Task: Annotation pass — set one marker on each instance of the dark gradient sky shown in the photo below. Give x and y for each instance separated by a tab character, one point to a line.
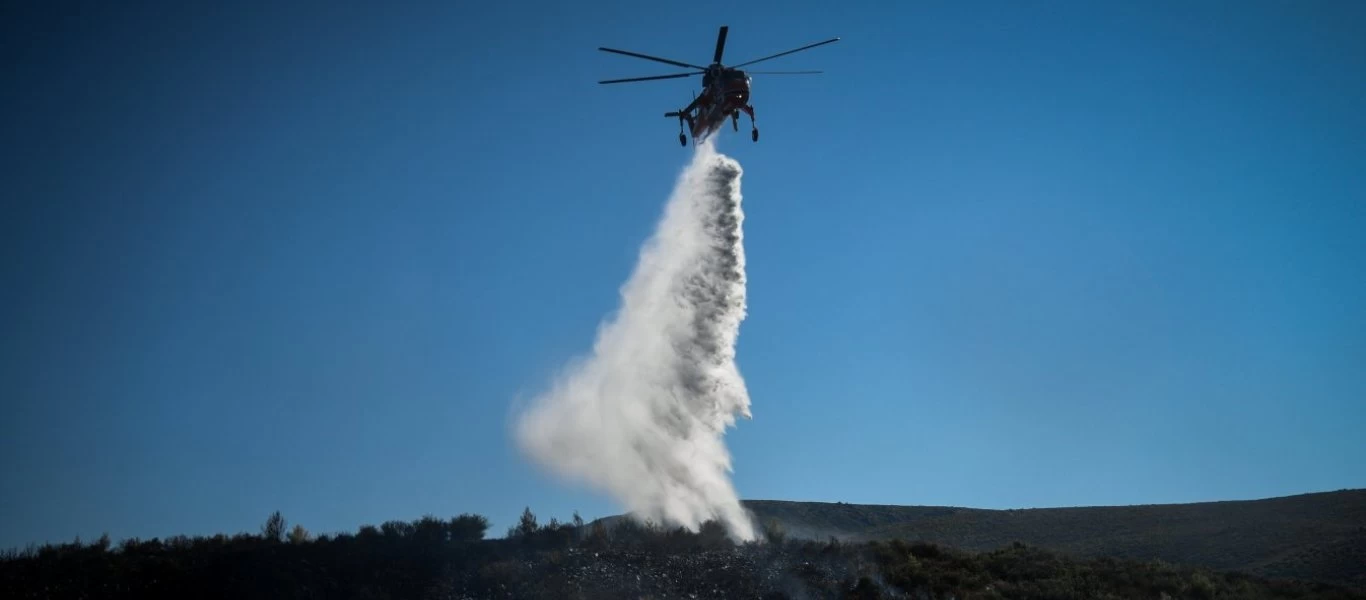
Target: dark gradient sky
308	258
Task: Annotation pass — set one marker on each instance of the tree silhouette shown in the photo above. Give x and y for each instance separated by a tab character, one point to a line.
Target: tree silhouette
298	535
527	526
274	527
468	527
448	558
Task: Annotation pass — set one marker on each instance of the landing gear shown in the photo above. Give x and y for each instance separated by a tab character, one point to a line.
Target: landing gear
735	119
682	139
753	133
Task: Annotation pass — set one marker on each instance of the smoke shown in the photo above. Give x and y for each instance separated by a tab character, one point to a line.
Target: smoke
642	418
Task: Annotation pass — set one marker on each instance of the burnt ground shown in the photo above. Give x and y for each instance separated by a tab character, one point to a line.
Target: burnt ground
450	560
740	572
809	570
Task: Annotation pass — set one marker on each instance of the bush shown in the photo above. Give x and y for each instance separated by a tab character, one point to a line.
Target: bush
448	558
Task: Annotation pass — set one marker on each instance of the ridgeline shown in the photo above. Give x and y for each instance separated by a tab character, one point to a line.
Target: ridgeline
1204	551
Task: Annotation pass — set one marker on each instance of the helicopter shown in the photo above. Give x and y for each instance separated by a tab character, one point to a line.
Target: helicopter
725	90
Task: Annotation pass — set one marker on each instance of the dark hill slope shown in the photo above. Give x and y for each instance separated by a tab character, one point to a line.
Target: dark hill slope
435	559
1319	536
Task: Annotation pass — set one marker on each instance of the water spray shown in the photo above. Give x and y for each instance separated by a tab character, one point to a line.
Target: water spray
643	416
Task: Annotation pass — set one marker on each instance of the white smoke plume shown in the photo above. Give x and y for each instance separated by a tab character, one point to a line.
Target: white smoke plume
642	418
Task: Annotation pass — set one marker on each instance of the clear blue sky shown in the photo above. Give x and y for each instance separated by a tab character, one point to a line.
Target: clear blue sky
1001	254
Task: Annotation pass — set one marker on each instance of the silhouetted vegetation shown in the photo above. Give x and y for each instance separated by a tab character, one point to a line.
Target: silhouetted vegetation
1319	537
450	558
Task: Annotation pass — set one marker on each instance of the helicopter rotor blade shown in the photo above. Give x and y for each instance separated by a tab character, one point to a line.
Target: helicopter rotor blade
720	43
783	72
651	78
654	58
807	47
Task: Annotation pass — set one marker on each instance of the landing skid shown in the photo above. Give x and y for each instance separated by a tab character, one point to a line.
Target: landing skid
734	123
754	124
682	116
753	135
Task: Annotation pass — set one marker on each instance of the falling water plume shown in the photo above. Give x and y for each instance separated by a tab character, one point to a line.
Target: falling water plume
643	416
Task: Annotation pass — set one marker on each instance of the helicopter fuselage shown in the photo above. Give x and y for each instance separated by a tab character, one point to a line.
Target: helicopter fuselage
725	94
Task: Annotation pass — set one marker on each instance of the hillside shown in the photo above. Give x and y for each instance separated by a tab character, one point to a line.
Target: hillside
451	559
1319	537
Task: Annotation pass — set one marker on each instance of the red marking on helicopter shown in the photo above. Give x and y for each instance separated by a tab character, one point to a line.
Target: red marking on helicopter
725	90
